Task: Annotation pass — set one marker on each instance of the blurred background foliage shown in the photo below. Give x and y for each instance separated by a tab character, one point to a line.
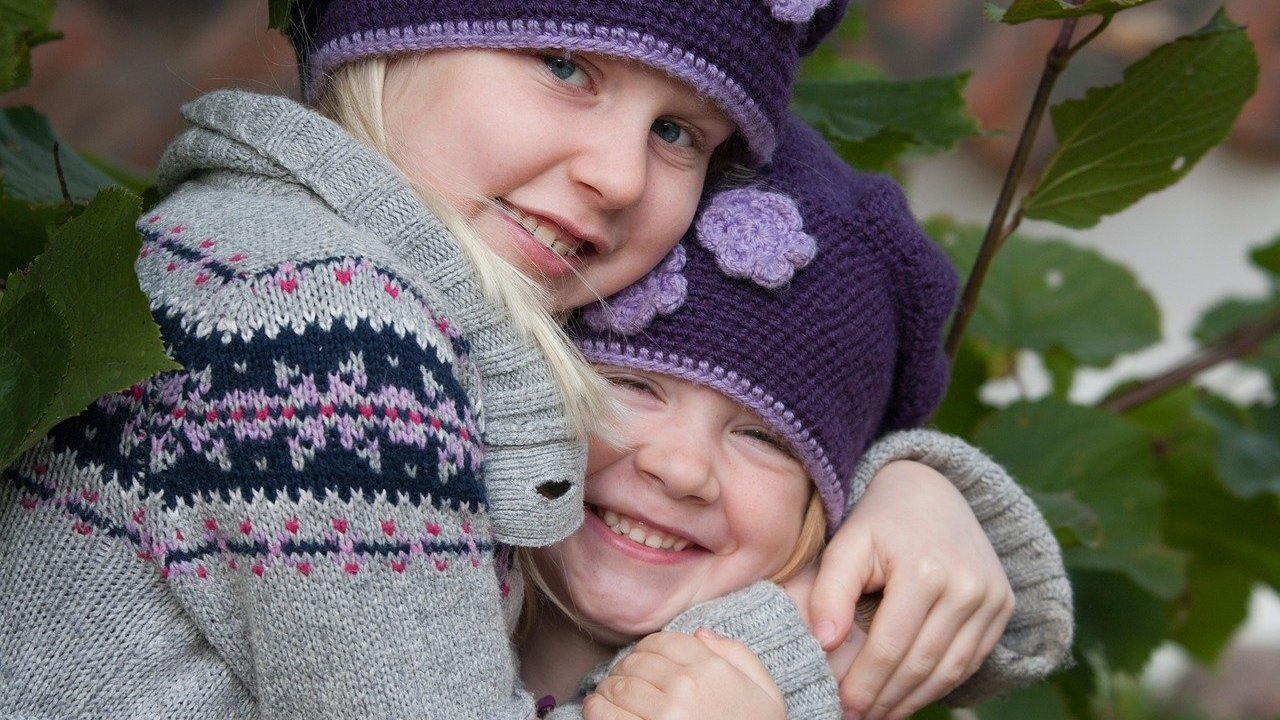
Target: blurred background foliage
1165	495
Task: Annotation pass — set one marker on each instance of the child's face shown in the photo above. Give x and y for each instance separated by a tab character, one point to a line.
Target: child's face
703	478
583	172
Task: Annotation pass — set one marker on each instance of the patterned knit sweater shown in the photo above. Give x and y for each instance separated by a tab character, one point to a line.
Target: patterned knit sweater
302	522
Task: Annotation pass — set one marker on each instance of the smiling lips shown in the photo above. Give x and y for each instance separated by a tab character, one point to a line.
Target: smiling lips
547	235
638	533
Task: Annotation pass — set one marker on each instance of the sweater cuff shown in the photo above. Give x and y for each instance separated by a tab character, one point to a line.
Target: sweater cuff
1038	638
764	618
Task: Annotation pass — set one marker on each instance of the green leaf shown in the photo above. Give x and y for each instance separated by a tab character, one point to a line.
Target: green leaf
27	229
1214	607
24	24
875	122
87	275
1213	527
1248	457
34	350
1045	295
1023	10
1041	701
1074	522
932	711
1062	370
1229	314
1267	257
278	13
1124	141
1118	618
27	164
1103	461
962	409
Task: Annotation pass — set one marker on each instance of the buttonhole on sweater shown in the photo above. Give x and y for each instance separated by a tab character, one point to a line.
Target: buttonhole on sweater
554	489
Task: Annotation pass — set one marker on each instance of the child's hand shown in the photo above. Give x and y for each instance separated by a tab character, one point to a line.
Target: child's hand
672	675
946	597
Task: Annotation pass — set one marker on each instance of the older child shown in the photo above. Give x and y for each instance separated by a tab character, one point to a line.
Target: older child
303	521
800	320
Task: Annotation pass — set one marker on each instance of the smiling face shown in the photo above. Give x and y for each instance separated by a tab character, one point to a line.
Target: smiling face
583	172
704	499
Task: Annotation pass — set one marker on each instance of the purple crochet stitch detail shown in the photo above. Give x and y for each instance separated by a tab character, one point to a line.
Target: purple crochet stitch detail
796	11
631	310
756	234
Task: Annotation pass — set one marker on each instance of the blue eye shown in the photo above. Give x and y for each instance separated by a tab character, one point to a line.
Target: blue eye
671	132
565	69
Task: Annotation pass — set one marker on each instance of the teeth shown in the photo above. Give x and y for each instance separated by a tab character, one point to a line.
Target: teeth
544	235
649	538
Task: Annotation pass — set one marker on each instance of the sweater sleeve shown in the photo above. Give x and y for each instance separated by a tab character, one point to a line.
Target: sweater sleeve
764	618
307	493
1038	638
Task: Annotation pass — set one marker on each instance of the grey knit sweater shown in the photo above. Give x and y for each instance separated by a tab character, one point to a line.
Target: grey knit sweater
302	522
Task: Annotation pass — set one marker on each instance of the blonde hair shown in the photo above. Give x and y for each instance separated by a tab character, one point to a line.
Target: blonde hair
537	591
353	98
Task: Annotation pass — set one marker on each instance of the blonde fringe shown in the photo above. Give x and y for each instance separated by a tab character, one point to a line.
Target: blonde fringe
353	98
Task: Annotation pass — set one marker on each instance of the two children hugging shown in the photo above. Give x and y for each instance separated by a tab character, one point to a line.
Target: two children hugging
364	292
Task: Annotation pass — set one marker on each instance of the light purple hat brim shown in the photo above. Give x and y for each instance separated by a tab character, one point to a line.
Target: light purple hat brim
748	395
705	77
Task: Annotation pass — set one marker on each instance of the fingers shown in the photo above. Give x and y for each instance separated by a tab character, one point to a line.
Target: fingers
847	569
958	634
898	621
740	657
598	707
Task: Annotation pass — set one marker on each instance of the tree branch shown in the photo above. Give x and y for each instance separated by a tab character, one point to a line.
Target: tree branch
1239	342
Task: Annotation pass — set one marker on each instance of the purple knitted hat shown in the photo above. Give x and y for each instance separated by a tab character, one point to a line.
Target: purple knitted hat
812	297
740	54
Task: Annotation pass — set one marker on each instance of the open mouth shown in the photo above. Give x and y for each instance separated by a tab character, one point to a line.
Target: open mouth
544	231
639	533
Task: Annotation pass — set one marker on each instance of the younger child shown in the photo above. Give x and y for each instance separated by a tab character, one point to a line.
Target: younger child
797	322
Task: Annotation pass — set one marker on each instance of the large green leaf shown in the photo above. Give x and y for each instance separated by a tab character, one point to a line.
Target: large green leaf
962	409
27	166
873	123
1118	618
87	275
1023	10
1248	457
23	25
1215	606
1124	141
1045	294
1103	461
34	350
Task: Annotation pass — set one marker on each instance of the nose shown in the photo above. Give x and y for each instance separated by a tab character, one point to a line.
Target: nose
612	165
682	461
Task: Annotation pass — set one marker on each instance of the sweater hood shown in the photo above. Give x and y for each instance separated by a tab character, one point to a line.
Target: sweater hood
528	440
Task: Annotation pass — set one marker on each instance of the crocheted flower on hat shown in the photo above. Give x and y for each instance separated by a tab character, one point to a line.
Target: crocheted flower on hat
631	310
756	234
795	11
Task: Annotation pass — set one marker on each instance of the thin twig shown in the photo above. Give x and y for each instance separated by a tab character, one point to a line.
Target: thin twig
1239	342
997	232
62	177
